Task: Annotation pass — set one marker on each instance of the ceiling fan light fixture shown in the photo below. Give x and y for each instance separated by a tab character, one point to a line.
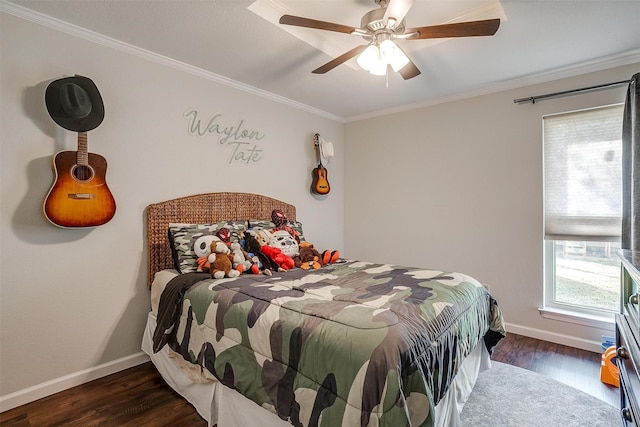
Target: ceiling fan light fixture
393	55
379	68
369	57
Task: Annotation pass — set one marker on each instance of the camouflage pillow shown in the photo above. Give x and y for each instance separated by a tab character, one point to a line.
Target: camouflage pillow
183	236
268	225
260	223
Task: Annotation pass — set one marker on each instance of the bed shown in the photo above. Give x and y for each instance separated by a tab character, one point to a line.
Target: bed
350	344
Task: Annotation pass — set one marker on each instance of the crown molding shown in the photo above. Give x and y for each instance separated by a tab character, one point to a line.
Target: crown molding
101	39
591	66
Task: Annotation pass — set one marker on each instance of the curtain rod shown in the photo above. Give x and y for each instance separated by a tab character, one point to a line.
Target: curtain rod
533	99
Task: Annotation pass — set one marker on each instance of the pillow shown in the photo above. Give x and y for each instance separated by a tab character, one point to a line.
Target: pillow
260	223
297	225
183	236
268	225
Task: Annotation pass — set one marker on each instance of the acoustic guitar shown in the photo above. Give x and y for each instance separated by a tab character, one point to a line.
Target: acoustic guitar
79	196
320	184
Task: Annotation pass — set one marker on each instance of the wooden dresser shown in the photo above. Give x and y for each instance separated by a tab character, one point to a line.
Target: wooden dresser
628	338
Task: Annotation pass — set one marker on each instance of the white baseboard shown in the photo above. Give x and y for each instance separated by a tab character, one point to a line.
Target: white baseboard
554	337
56	385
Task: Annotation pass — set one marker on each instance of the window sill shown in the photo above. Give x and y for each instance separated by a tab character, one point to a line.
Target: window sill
593	321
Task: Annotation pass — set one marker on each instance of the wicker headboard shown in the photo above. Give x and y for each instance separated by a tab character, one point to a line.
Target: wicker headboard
201	209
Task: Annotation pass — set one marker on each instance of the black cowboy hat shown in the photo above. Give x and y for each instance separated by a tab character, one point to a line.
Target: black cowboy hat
75	103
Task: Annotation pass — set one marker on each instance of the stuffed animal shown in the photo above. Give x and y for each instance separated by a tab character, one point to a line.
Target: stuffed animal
261	235
285	242
241	259
251	243
308	257
202	249
254	248
281	249
281	222
283	261
221	261
224	234
329	257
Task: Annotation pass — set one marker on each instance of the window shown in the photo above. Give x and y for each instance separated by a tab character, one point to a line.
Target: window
583	209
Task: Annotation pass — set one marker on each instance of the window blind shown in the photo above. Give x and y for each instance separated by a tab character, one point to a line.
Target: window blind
583	174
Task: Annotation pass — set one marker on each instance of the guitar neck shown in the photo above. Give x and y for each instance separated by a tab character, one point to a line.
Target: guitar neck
316	143
82	156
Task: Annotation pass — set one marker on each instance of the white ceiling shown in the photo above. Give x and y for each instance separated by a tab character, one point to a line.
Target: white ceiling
537	40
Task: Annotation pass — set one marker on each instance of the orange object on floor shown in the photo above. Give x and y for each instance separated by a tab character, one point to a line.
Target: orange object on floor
609	373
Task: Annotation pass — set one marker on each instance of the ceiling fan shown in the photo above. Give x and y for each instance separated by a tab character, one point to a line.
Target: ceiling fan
381	27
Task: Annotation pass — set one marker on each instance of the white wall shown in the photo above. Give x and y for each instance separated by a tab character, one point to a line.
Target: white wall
458	186
75	299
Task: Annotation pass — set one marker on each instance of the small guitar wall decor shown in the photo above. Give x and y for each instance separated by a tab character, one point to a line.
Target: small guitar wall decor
320	184
79	196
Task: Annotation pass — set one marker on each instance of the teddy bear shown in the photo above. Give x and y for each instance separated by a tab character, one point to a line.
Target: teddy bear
308	257
221	261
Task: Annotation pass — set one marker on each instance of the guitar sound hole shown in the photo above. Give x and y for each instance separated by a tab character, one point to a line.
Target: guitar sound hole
82	173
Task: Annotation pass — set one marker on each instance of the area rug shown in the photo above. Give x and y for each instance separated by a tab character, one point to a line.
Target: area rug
506	395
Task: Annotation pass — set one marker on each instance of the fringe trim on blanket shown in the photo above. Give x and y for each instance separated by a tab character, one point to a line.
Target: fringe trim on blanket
453	336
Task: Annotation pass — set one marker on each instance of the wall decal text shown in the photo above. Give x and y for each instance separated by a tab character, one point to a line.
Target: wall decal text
244	144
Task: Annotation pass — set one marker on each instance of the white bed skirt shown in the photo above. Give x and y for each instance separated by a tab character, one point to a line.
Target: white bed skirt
226	407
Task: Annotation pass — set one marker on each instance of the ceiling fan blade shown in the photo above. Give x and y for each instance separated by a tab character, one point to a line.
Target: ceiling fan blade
409	71
320	25
486	27
339	60
397	9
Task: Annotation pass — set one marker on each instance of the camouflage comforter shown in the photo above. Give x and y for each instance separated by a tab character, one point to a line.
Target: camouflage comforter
351	344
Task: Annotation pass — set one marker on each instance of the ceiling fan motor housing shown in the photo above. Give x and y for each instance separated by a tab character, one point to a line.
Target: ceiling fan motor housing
373	22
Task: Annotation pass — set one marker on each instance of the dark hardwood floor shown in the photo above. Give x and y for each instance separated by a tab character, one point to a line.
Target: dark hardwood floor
139	397
577	368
